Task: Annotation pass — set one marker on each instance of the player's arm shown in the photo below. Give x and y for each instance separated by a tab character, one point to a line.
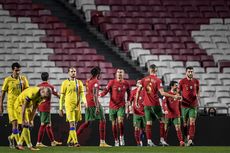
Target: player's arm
82	93
139	88
26	82
107	89
198	92
24	106
163	93
62	99
2	97
95	97
32	116
55	93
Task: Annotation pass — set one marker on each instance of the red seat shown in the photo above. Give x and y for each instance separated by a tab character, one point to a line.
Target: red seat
101	2
76	51
59	25
111	70
180	58
193	58
77	64
192	46
62	64
89	51
164	45
68	45
97	58
55	57
178	45
172	51
180	14
206	58
206	64
83	70
195	14
53	45
176	27
115	20
91	64
149	33
186	52
45	26
74	38
224	64
160	27
66	32
34	14
131	20
105	64
47	39
82	44
117	8
128	26
119	40
131	8
170	39
158	20
59	51
83	58
133	32
145	8
150	45
199	52
157	39
37	7
53	33
186	39
210	15
165	33
10	6
181	33
114	33
69	58
22	7
59	39
144	27
107	76
158	51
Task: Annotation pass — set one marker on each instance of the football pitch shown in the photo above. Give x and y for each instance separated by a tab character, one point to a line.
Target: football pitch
61	149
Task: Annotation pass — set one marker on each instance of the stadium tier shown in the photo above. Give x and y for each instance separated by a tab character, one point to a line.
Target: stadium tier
172	35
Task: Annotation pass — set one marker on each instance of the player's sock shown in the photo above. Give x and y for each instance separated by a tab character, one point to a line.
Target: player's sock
50	133
69	138
149	132
16	135
41	133
162	130
185	131
26	136
73	135
191	131
114	129
137	136
82	127
166	134
179	135
121	128
102	130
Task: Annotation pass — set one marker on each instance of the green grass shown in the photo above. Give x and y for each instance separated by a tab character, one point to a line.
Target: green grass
62	149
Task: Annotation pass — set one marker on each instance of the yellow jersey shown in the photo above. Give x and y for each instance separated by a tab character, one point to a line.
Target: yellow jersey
72	94
31	95
13	87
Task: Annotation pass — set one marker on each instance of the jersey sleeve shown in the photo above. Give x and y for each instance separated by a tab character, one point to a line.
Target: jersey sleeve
180	85
107	88
132	94
62	98
26	82
81	92
5	85
159	84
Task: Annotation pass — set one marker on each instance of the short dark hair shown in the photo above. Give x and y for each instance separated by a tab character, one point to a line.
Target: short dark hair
95	71
45	76
189	68
71	68
16	64
153	66
172	83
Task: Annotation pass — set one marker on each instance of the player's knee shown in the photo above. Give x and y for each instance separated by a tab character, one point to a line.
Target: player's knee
149	122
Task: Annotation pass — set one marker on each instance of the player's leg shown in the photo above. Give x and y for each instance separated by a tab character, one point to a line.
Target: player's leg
41	131
148	128
166	126
137	130
102	127
121	114
71	118
184	116
113	119
192	121
177	124
89	116
159	115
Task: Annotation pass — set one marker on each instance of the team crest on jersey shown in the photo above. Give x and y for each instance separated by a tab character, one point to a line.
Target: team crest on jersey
191	87
119	89
140	98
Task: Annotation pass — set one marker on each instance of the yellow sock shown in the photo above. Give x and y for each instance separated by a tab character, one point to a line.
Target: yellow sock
69	138
74	136
26	136
11	136
17	137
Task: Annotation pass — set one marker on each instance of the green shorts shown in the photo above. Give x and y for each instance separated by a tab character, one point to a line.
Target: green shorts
175	121
139	121
114	113
45	117
91	115
153	112
188	113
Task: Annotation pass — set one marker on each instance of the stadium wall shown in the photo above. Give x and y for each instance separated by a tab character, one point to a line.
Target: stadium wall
210	131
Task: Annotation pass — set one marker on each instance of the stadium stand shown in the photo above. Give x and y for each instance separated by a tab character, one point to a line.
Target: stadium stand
172	35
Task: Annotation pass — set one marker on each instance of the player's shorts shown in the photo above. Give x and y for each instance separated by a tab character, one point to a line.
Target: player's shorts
175	121
73	115
153	112
11	114
188	113
91	115
139	121
18	114
114	113
45	117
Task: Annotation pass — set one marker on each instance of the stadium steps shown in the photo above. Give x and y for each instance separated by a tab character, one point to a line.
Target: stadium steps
80	28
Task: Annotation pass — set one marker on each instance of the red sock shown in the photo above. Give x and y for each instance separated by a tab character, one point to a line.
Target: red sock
121	128
102	130
41	133
114	129
166	134
149	131
191	131
49	132
82	127
137	136
162	130
179	135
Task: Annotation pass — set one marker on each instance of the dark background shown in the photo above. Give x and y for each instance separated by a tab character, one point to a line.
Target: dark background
210	131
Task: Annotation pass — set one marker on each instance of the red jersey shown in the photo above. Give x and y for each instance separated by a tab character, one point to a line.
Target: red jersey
151	84
90	85
171	106
189	89
45	106
117	91
137	111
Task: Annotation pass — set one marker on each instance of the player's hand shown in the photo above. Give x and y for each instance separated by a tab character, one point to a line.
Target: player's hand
166	112
177	97
137	105
31	123
24	123
61	114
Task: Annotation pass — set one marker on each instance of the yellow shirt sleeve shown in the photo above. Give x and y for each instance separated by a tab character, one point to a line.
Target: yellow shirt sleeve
5	85
81	92
62	98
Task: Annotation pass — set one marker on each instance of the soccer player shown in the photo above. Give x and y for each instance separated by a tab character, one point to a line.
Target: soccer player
72	94
190	91
94	110
13	85
151	85
45	116
117	88
172	111
25	109
139	121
